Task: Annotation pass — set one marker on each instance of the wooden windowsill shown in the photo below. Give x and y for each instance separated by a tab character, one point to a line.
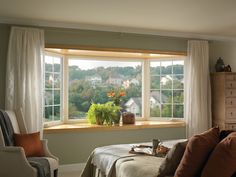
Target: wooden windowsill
86	127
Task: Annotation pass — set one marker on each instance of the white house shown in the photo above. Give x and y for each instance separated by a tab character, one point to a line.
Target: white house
95	79
134	105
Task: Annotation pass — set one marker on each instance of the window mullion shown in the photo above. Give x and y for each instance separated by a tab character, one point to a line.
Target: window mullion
65	89
146	89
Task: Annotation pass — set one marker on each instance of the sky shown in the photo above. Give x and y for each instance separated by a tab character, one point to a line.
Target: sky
86	64
91	64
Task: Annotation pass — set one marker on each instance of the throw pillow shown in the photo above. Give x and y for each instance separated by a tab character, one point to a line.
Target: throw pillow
197	152
223	159
172	160
31	144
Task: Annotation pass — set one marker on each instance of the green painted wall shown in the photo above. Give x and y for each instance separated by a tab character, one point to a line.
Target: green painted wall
225	50
4	36
114	40
75	147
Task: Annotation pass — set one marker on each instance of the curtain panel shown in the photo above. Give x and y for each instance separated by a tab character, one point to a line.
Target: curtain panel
24	75
197	88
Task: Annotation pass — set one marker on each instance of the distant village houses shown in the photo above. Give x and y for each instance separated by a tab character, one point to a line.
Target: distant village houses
94	80
134	104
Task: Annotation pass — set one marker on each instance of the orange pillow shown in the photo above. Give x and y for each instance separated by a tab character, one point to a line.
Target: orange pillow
31	144
223	159
196	153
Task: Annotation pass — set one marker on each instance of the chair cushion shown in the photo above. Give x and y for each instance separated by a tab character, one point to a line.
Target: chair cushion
196	153
223	159
31	144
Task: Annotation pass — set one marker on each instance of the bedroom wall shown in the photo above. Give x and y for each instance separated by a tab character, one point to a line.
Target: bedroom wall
224	49
4	36
114	40
75	147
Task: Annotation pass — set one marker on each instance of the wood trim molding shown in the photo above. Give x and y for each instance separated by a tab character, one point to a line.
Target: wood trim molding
85	47
85	127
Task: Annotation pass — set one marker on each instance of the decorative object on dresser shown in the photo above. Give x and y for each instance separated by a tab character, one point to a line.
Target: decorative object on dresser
227	68
219	66
223	86
128	118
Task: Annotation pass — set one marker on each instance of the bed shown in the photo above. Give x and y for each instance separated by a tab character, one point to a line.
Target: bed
116	161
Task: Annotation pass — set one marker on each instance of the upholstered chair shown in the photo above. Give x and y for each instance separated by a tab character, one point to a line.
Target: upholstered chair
13	161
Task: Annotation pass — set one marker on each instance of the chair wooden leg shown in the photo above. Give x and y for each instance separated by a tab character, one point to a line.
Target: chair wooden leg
56	173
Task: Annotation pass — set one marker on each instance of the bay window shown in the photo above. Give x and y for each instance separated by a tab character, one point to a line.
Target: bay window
153	86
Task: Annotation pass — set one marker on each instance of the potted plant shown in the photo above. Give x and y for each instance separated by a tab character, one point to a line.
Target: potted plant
102	113
116	97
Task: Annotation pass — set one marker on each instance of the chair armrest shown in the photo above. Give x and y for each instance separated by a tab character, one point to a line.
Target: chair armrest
14	163
47	151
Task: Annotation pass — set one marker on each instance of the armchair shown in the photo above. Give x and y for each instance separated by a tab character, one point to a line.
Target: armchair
13	161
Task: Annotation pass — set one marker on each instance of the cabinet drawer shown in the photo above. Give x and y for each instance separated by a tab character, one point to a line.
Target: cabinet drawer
230	113
230	92
230	102
230	126
230	84
230	77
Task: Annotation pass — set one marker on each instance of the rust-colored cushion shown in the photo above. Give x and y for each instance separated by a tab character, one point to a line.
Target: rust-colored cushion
31	144
222	161
197	152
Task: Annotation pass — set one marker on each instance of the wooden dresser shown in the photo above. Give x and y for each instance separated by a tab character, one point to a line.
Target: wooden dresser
223	86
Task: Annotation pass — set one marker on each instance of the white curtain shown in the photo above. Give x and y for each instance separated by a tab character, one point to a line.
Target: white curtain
24	76
197	88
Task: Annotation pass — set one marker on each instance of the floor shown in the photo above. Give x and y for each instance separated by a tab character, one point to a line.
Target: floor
70	174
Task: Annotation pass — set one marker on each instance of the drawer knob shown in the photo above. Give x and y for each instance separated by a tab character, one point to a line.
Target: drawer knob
231	102
231	113
231	92
231	84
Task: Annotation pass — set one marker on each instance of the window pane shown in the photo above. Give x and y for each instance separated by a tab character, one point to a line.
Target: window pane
178	67
57	81
166	96
91	80
155	103
178	96
57	64
171	87
166	67
178	111
155	111
155	68
57	97
48	96
48	115
57	114
155	82
48	80
178	82
48	63
52	90
166	110
166	82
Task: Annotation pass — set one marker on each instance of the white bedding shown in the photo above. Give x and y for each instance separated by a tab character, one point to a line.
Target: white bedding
115	161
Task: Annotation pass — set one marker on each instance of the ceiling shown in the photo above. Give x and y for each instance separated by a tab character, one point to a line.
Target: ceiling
184	18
